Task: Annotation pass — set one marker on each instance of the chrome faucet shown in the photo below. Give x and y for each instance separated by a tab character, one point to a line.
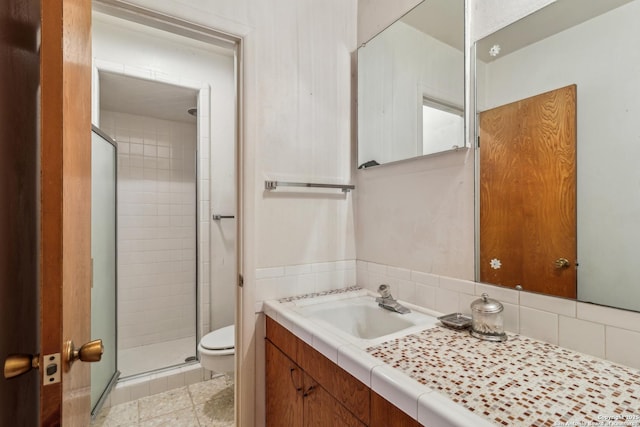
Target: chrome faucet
386	301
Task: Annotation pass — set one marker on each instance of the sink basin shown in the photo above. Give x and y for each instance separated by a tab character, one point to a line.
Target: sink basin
361	317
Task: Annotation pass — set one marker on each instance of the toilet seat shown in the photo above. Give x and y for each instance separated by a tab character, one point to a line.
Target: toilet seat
220	339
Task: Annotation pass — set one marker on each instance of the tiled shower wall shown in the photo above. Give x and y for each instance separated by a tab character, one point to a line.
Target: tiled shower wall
156	227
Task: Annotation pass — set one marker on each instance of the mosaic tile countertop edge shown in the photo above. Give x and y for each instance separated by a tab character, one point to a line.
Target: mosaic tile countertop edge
520	382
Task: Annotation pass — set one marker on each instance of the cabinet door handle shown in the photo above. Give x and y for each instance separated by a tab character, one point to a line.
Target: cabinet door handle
309	390
293	381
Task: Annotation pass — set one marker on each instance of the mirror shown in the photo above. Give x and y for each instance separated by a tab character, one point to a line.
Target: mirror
588	47
411	86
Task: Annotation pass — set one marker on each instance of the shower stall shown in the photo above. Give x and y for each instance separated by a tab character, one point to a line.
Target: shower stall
157	220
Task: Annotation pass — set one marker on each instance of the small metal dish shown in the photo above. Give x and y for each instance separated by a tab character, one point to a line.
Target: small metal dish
456	321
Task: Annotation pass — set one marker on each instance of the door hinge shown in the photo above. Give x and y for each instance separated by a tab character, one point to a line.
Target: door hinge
240	280
478	141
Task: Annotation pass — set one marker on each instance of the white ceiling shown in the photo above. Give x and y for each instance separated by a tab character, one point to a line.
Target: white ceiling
441	19
444	20
146	98
550	20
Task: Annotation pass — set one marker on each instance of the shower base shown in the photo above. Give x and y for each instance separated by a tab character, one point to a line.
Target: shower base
147	358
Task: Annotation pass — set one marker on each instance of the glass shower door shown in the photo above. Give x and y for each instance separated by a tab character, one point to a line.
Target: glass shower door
103	254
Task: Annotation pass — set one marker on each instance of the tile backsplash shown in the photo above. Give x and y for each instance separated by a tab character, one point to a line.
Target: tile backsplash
291	280
604	332
599	331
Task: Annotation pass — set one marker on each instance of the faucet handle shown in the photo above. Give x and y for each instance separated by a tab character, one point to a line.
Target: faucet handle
384	290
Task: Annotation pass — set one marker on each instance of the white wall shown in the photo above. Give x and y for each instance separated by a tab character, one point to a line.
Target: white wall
128	49
607	128
402	66
156	228
417	214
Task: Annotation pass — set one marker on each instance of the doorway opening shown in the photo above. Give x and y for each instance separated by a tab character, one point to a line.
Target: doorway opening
166	92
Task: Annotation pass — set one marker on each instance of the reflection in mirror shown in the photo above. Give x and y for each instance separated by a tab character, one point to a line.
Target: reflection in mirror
411	85
588	47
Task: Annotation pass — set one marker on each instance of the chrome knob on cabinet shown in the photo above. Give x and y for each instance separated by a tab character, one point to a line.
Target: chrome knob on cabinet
562	263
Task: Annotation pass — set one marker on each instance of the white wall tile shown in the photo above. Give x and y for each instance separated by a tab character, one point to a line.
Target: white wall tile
323	267
580	335
293	270
406	290
158	385
457	285
562	306
499	293
623	346
377	268
446	301
511	317
609	316
399	273
120	394
426	296
425	278
263	273
139	390
540	325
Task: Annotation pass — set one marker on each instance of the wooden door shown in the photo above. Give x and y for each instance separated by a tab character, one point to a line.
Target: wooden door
66	203
45	187
528	193
19	205
284	389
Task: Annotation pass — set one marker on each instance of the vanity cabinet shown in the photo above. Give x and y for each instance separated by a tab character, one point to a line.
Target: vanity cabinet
284	385
295	399
304	388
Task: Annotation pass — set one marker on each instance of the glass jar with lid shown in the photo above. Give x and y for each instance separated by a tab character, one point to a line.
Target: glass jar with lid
487	323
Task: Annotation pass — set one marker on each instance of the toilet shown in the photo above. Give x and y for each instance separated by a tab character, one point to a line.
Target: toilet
217	350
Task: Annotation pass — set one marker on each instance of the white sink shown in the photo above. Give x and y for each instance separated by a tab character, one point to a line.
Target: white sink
361	318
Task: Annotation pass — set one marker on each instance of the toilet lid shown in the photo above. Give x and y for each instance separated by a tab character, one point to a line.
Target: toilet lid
220	339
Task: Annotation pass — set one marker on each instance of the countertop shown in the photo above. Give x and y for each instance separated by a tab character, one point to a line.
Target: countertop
443	377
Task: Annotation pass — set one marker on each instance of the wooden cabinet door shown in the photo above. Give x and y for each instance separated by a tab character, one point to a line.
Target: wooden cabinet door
322	410
385	414
284	389
528	193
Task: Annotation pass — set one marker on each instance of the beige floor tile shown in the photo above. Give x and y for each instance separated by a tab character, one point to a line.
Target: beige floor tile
125	414
218	410
203	391
164	403
180	418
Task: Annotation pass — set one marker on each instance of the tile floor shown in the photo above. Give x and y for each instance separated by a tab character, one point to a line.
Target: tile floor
208	403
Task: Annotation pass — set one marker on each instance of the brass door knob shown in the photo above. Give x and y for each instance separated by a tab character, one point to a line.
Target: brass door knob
89	352
18	364
562	263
